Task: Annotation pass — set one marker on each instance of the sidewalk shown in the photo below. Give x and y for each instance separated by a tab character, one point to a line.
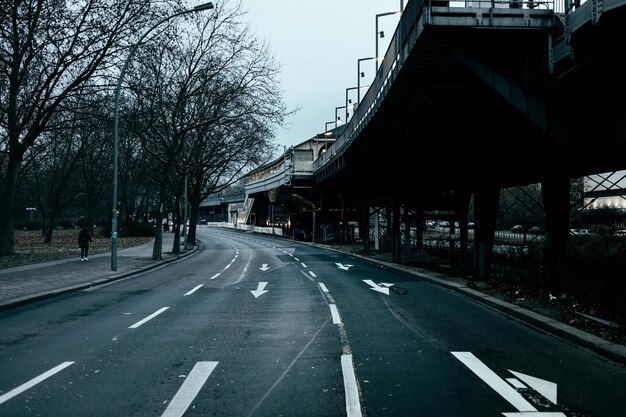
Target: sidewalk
27	283
24	284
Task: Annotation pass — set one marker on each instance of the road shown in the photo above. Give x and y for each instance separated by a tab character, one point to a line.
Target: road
255	326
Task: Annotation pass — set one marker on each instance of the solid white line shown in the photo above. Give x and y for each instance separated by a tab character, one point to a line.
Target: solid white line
335	314
353	406
194	290
150	317
494	381
215	276
323	287
33	382
312	274
190	388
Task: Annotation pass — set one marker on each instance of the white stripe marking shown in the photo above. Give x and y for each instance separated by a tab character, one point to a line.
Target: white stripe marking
150	317
215	276
296	259
303	265
494	381
516	383
190	388
312	274
33	382
323	287
353	406
194	290
335	314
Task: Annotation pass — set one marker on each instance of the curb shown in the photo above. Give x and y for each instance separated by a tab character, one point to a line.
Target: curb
610	350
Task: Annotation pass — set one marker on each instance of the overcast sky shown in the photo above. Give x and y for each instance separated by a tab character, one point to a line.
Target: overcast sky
317	45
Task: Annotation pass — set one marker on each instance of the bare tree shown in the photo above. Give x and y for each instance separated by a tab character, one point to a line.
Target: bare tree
48	50
207	99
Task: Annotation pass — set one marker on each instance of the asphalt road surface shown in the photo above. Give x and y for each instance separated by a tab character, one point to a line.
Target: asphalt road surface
255	326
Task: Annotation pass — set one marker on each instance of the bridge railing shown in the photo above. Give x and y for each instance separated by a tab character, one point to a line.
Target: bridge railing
407	32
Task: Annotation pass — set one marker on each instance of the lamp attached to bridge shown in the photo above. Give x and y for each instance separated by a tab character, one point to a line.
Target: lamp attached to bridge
381	33
361	74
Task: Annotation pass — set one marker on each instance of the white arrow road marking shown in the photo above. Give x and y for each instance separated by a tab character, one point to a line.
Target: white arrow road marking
264	267
342	266
494	381
516	383
259	290
190	388
150	317
375	287
33	382
543	387
353	405
386	284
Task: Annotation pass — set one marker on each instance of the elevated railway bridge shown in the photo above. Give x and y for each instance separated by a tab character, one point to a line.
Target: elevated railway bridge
472	98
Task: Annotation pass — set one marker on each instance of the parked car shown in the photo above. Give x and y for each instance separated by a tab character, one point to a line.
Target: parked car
536	230
620	233
518	228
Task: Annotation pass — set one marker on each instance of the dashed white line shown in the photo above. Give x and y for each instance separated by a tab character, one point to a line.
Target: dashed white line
150	317
353	405
196	288
190	388
33	382
215	276
303	265
323	287
312	274
334	314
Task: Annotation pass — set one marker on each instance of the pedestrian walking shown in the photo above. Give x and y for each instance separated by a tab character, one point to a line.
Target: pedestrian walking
83	242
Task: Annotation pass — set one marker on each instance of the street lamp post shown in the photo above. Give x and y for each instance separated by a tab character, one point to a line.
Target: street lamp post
359	74
198	8
337	118
327	133
348	101
380	33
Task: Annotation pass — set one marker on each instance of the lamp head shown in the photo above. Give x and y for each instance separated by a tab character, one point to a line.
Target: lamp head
204	6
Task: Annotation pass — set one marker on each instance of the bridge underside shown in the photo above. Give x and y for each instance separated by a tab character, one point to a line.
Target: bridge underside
474	110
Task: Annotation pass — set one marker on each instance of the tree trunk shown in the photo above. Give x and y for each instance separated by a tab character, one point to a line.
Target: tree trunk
158	236
7	196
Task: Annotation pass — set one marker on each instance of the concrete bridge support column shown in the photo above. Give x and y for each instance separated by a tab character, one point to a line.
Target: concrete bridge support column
395	230
556	199
364	226
486	202
408	220
462	213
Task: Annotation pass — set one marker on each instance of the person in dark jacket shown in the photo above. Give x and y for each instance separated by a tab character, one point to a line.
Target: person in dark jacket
83	242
